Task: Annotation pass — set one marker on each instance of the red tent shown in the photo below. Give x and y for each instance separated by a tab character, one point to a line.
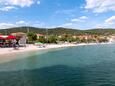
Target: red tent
11	37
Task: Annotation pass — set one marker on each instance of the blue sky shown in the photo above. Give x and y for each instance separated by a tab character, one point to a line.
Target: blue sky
78	14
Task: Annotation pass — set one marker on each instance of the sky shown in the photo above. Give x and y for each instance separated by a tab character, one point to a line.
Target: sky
77	14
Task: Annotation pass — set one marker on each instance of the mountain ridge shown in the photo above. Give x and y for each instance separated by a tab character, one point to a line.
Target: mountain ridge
59	30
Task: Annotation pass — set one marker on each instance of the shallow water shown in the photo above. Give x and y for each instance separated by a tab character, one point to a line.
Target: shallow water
75	66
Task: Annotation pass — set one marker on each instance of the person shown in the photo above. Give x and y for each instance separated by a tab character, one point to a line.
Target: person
17	44
14	44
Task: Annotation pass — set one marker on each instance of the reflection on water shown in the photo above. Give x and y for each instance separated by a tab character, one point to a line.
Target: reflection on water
76	66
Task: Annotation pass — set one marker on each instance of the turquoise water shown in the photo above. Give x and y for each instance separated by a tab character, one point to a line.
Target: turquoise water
75	66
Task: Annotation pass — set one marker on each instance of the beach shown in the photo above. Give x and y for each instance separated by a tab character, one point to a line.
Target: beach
9	54
30	47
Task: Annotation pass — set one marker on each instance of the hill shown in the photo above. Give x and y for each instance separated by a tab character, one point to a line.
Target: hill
58	31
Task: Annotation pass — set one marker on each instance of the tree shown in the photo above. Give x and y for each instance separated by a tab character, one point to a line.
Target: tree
100	40
42	39
90	40
77	40
31	37
83	40
52	39
65	38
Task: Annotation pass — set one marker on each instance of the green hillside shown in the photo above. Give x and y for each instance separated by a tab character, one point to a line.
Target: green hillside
58	31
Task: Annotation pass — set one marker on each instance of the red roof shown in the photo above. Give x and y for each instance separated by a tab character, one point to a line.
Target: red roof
40	35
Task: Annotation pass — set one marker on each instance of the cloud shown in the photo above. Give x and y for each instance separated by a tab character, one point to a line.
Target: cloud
73	21
7	8
21	22
108	23
83	17
66	25
100	6
80	19
38	2
21	3
110	20
76	20
7	5
6	25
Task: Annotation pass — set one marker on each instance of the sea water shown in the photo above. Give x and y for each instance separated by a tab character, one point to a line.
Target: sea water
74	66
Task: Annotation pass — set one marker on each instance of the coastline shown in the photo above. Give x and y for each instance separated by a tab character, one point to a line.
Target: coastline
4	51
9	54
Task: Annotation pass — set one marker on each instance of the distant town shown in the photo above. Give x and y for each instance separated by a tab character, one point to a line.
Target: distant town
60	35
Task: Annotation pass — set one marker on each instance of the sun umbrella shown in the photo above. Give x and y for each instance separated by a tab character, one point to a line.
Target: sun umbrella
11	37
2	37
38	43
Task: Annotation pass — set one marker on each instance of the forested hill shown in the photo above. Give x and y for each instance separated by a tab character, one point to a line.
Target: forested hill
59	31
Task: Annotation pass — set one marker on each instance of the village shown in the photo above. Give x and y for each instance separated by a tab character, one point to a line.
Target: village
21	39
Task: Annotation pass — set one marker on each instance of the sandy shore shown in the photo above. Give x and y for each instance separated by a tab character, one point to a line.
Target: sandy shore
9	54
4	51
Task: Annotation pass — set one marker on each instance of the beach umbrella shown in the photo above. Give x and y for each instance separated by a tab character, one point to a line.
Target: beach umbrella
38	43
11	37
2	37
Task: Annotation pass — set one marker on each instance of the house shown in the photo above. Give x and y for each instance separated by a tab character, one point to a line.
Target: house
59	36
85	37
19	34
21	37
40	35
111	38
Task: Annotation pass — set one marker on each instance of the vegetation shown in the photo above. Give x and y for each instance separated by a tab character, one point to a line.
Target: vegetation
59	31
102	40
60	34
52	39
42	39
31	37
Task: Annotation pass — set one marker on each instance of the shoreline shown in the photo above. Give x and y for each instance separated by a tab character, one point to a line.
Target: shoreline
4	51
9	54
